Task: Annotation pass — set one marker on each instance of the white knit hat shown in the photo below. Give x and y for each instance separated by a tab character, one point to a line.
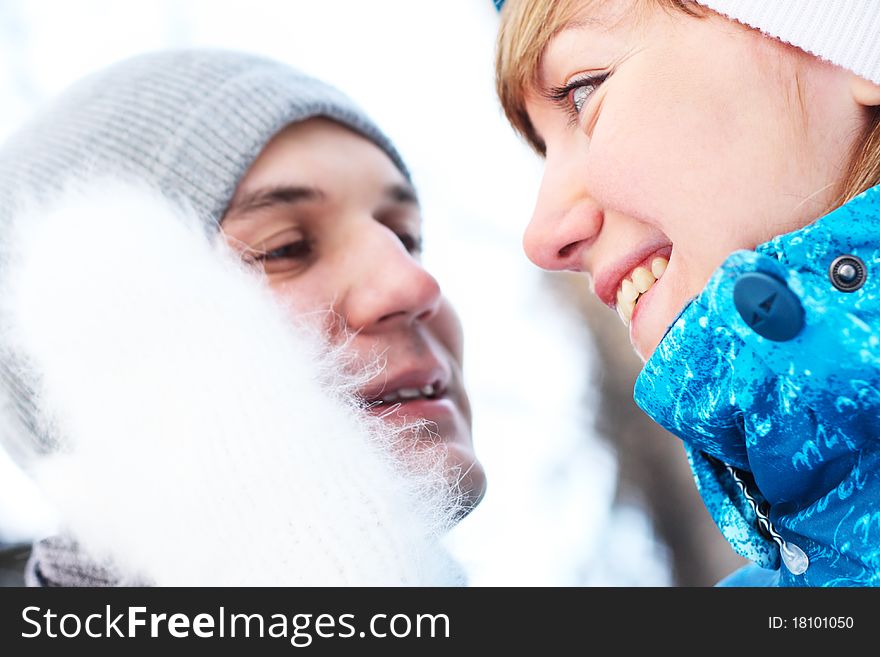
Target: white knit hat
843	32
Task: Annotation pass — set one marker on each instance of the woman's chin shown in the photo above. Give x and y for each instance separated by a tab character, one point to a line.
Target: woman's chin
645	342
654	312
644	335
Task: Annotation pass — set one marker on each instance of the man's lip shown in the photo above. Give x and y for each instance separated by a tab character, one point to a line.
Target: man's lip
420	408
419	377
608	280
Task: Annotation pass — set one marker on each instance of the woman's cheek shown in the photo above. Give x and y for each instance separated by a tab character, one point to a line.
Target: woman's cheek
622	171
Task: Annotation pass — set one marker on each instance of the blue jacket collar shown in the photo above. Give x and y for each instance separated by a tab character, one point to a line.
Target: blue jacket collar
797	420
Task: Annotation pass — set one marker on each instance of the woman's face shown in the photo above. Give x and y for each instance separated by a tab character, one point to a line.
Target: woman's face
337	227
673	141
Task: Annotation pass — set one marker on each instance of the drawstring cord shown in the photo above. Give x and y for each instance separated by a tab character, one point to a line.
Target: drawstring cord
794	558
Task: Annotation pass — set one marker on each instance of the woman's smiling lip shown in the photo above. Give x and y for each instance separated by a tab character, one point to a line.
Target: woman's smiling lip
607	281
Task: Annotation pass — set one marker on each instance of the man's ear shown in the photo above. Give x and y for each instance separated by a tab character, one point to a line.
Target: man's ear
864	91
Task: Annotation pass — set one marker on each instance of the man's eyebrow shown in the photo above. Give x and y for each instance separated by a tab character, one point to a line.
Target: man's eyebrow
265	197
402	194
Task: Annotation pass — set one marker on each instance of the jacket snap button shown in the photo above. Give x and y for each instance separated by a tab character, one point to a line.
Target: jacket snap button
767	305
847	273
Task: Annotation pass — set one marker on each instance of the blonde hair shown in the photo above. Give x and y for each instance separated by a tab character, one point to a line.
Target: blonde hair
527	26
864	168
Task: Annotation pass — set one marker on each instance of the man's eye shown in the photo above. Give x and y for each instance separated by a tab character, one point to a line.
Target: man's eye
290	257
412	243
294	250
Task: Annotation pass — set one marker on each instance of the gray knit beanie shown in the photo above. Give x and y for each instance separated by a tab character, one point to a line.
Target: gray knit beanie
189	123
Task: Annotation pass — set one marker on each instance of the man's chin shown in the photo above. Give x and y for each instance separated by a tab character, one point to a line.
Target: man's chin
450	433
472	482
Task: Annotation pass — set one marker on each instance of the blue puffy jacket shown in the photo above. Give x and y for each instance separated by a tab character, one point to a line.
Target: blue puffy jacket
771	376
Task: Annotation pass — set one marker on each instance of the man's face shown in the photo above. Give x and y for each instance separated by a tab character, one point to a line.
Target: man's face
337	229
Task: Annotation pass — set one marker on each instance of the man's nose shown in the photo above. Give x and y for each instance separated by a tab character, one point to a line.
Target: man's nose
390	287
566	219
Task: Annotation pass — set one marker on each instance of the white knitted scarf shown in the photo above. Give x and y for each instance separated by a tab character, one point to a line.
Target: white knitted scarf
201	436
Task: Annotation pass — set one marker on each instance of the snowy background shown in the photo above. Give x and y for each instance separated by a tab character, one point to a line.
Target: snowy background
424	71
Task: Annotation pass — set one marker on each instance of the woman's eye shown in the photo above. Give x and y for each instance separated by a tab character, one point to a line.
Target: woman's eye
573	96
580	95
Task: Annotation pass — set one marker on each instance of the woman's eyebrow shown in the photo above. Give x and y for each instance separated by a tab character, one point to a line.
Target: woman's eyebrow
280	195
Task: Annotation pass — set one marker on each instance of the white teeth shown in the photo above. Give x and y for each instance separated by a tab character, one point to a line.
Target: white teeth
658	266
643	280
406	394
628	291
409	393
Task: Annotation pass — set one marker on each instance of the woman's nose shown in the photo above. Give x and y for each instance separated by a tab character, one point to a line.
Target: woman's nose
390	288
565	222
